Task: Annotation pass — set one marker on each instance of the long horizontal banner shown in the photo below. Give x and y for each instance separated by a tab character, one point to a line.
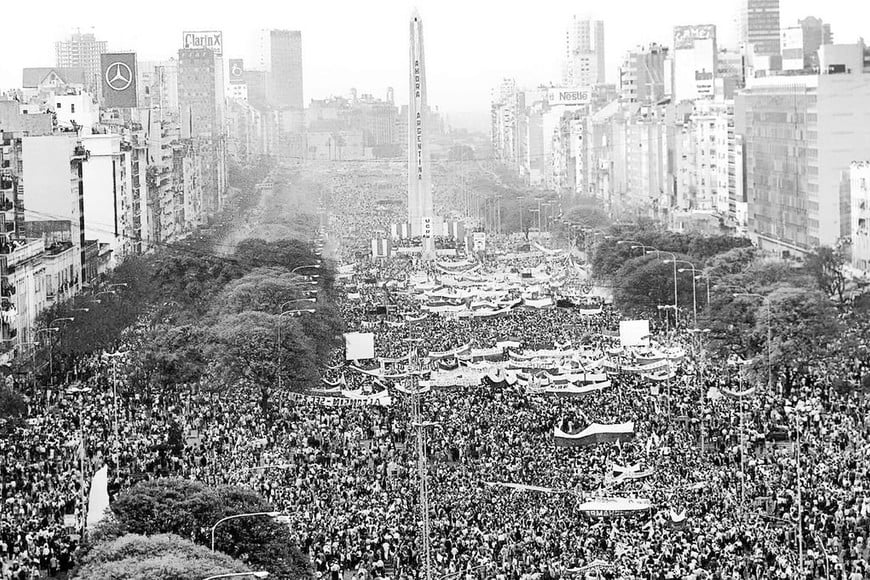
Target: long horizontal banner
383	401
522	487
435	355
572	391
611	506
595	433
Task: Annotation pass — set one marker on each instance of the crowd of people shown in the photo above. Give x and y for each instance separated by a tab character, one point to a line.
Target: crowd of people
768	481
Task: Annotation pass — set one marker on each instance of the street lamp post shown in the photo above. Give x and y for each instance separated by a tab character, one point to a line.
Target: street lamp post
769	333
114	356
706	278
50	350
81	405
693	270
51	344
297	312
237	516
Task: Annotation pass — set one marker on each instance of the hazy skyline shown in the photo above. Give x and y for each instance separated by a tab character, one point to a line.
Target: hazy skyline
470	46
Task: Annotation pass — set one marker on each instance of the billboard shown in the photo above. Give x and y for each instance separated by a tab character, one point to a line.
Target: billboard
478	241
118	70
359	345
634	332
685	36
213	39
237	71
567	96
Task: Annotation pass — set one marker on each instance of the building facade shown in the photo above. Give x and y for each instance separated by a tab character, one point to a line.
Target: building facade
800	136
583	64
82	51
642	75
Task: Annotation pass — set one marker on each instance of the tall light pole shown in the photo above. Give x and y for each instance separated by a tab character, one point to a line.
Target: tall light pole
297	312
691	269
237	516
51	344
50	349
114	357
422	467
769	334
82	450
676	307
706	278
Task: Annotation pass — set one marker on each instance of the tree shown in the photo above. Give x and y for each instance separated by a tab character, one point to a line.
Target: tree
645	283
825	265
13	408
168	355
803	322
193	278
190	509
730	262
158	557
263	289
245	346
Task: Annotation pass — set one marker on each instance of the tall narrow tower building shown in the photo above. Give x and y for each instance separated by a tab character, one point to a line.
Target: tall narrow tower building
420	212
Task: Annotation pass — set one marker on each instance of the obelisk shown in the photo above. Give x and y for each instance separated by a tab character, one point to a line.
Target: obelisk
420	213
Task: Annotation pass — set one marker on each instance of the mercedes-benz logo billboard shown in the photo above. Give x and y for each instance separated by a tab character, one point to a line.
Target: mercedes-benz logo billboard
119	76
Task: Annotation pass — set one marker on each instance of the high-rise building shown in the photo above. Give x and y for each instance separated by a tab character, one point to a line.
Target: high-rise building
695	62
584	53
158	84
759	34
82	51
52	171
280	55
800	44
200	91
642	74
800	135
859	193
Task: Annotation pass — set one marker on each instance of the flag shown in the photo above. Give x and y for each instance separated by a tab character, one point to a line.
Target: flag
98	501
595	433
382	248
400	231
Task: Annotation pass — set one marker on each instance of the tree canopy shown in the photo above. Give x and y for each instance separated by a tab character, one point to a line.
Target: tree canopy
190	509
157	557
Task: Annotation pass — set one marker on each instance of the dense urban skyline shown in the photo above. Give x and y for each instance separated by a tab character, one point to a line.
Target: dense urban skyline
467	55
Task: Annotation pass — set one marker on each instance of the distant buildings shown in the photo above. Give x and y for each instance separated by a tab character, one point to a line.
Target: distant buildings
759	33
583	64
801	43
801	134
82	51
694	62
280	55
642	75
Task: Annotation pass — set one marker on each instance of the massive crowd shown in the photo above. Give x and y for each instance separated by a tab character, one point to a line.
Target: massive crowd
348	476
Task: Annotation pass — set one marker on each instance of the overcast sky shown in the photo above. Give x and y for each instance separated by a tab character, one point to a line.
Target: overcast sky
470	44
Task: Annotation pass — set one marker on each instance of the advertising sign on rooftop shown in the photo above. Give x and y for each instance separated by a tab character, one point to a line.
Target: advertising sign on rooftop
213	39
567	96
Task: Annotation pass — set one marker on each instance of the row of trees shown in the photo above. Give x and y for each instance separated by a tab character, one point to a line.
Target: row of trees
741	296
161	529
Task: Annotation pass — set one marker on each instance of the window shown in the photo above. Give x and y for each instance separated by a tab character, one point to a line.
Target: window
72	108
59	105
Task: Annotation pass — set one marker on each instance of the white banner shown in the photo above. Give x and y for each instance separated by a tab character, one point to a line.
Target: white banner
633	332
359	345
98	501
